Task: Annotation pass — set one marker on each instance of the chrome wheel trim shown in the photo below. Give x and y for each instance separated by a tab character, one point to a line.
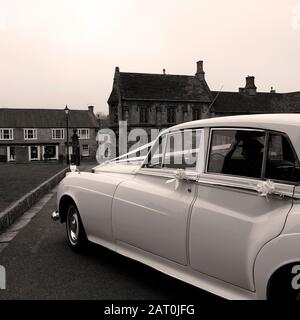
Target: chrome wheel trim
73	225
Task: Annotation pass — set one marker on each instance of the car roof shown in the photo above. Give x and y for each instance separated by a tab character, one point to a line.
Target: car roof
257	121
286	123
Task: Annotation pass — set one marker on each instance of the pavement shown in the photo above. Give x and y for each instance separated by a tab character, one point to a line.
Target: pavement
40	265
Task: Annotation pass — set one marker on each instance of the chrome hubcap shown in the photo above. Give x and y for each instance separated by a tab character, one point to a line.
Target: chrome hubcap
73	225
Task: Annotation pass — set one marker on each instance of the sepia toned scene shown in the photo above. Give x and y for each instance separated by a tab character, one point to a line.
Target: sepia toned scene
149	151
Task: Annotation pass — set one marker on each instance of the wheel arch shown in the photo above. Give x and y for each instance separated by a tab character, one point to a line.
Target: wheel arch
274	257
64	203
279	282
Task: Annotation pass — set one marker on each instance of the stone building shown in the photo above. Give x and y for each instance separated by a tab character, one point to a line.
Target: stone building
162	100
158	100
28	135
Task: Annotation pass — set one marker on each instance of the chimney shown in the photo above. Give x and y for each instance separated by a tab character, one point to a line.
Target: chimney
91	109
164	71
250	88
200	73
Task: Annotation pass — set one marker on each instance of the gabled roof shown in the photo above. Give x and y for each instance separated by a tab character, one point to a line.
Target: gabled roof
46	118
163	87
261	102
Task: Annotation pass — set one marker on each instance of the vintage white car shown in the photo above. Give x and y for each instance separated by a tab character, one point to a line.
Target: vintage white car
215	203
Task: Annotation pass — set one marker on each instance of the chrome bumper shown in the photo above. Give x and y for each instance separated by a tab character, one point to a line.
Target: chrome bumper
55	216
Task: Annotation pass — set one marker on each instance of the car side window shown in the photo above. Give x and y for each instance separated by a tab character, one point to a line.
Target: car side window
182	150
155	157
237	152
178	150
282	163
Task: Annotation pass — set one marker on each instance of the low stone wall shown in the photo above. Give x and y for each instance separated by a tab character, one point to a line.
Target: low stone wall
9	215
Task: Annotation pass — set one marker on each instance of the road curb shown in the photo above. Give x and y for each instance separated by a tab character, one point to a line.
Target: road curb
9	215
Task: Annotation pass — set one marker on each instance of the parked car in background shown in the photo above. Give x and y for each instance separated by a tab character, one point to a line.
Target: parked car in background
215	203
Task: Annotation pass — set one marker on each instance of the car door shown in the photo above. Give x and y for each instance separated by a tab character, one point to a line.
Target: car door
151	211
243	201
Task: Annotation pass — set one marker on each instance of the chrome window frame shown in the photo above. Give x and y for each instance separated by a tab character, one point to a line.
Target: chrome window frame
265	157
284	189
294	153
232	129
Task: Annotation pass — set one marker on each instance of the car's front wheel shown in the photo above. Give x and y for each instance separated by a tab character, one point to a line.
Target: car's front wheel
76	235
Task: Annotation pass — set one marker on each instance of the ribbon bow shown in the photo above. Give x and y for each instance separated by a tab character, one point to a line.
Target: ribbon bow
179	175
265	188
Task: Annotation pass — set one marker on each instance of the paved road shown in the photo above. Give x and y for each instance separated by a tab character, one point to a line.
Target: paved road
40	265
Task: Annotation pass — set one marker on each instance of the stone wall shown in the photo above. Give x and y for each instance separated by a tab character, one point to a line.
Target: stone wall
157	113
8	216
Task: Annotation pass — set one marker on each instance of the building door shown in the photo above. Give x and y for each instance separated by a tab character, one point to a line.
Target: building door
34	153
11	154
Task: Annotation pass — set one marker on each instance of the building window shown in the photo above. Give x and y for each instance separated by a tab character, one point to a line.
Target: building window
58	134
144	115
171	115
196	114
6	134
158	116
85	150
50	152
115	116
30	134
84	133
126	114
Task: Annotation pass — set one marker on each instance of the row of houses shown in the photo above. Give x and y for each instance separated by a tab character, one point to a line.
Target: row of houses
41	134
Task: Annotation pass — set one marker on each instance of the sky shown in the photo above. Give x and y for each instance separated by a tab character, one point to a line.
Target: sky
58	52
